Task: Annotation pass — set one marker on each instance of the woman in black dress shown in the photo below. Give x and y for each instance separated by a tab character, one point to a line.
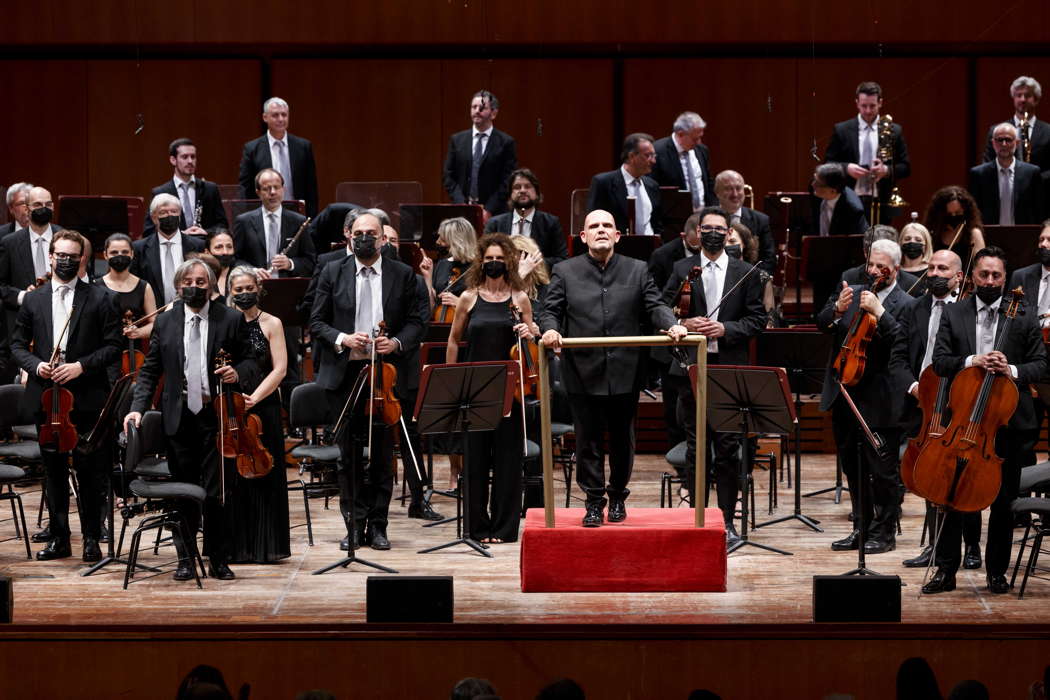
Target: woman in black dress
484	319
949	208
131	292
220	245
259	507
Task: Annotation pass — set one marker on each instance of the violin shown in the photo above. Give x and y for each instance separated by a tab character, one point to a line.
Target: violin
527	354
443	313
959	469
852	356
239	430
684	296
383	404
132	358
57	431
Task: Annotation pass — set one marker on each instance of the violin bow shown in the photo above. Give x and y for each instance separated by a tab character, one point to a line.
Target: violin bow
731	290
58	346
515	314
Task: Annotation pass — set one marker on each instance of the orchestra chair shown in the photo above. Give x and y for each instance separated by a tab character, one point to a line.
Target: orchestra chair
308	411
1035	479
158	496
1038	510
676	458
24	450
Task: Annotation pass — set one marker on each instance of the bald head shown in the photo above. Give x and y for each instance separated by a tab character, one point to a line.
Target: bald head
729	188
39	199
949	258
599	234
946	265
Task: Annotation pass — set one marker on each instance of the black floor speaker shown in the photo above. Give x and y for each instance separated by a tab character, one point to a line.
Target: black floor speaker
409	599
7	599
856	599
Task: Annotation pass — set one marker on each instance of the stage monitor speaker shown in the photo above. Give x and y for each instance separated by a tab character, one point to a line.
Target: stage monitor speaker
409	599
856	599
7	599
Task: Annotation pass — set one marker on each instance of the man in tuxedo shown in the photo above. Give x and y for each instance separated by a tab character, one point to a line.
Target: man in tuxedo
610	191
353	296
525	219
24	253
859	273
1035	279
837	211
260	235
855	144
683	161
729	320
288	154
729	188
17	208
183	350
878	396
192	192
972	334
1007	190
80	320
603	294
157	257
1026	92
480	159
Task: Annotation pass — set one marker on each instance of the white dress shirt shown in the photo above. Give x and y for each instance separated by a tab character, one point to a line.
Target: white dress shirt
870	133
376	281
827	213
484	142
33	238
933	325
698	177
517	217
60	310
1006	209
289	189
718	266
643	207
187	324
981	306
191	194
175	251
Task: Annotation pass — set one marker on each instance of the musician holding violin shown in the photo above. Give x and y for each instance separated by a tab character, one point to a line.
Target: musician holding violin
984	338
66	336
863	320
183	348
131	292
457	245
354	297
486	320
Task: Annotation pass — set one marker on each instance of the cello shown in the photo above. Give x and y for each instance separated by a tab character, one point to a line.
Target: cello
852	356
239	431
959	469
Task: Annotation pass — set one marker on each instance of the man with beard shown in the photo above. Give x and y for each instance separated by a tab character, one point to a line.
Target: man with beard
525	219
193	192
480	159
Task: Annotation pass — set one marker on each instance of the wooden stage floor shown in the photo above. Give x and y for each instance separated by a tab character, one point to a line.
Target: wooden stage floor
763	588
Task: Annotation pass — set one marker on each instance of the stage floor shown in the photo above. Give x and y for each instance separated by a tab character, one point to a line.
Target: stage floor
763	587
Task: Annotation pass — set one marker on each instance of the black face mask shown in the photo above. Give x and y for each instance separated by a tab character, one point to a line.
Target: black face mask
365	247
1044	257
494	268
225	260
913	249
938	286
713	242
692	250
442	251
66	270
119	262
194	297
245	300
168	224
955	219
389	251
734	251
989	294
41	216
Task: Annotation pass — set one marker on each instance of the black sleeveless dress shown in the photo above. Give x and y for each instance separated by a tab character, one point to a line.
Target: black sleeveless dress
133	301
258	508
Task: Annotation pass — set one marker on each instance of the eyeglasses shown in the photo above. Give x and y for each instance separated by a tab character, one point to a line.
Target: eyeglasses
713	229
1004	139
67	256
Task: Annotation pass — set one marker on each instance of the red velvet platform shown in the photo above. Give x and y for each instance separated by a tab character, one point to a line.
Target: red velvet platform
655	549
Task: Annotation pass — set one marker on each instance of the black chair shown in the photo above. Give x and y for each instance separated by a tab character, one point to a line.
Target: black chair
308	411
1038	511
24	450
9	476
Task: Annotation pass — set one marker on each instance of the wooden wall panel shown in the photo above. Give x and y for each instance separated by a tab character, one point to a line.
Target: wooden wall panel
992	92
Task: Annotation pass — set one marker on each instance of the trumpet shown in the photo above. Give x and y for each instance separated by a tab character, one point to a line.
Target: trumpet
1025	137
749	193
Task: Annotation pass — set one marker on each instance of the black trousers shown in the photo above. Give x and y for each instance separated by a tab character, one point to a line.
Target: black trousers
592	415
882	489
1014	447
91	476
971	525
496	511
193	457
671	385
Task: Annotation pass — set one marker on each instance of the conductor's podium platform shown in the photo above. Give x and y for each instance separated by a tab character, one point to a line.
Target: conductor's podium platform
653	550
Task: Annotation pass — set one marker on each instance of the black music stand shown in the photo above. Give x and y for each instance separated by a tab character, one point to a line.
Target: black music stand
677	206
468	397
94	217
419	222
875	440
1016	241
791	216
282	298
800	353
825	257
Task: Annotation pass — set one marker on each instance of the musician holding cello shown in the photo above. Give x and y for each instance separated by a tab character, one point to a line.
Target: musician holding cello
484	317
66	336
877	393
976	333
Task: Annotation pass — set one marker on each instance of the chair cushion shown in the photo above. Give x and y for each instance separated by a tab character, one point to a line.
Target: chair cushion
532	450
1035	475
153	468
318	453
167	489
9	473
28	450
676	455
26	432
560	429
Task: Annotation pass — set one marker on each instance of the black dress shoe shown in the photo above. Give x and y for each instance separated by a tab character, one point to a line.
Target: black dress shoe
972	558
55	549
379	540
942	582
846	543
104	537
920	561
344	544
92	552
998	584
732	536
424	512
593	518
879	545
617	511
42	535
184	572
219	570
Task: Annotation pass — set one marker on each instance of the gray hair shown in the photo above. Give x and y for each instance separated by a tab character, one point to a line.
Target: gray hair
1006	125
879	232
14	189
888	247
354	214
1025	81
161	200
379	214
725	176
274	101
183	269
687	121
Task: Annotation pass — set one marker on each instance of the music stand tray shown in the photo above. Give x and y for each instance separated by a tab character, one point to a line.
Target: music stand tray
468	397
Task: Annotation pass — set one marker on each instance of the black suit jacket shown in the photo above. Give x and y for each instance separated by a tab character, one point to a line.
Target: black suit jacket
257	157
668	169
905	280
497	163
848	217
663	259
741	312
1040	146
9	227
879	394
908	353
844	148
1023	347
585	300
609	192
249	241
307	302
16	266
213	214
167	357
93	339
1028	278
758	224
146	263
1028	192
334	312
545	230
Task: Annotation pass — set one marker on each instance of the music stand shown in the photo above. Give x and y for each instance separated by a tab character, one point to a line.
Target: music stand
93	216
825	257
790	216
281	299
469	397
1015	240
744	399
677	206
799	352
419	222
